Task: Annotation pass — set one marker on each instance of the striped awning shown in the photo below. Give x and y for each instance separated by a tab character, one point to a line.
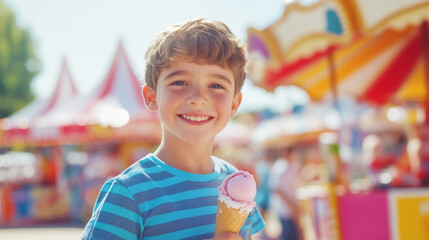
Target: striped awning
377	51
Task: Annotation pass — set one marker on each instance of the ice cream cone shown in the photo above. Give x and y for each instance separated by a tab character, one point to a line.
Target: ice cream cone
229	219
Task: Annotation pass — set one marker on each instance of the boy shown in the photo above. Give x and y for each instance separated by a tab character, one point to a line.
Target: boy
194	73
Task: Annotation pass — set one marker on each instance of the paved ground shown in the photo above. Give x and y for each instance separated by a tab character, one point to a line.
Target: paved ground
43	232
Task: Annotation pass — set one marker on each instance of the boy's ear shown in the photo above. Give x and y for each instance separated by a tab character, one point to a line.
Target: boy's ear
149	96
236	101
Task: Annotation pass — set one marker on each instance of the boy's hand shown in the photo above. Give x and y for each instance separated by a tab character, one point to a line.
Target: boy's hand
227	236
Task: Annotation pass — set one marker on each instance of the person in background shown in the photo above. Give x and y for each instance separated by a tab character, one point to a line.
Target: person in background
263	161
284	179
262	169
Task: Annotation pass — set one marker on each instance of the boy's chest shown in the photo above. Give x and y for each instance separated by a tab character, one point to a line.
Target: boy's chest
196	214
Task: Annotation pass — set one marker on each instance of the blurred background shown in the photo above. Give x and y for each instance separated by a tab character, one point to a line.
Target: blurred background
335	111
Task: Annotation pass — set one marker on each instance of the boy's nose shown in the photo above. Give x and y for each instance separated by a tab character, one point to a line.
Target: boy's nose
197	97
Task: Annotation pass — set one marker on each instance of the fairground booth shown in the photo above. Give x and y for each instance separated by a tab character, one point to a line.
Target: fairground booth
369	159
55	154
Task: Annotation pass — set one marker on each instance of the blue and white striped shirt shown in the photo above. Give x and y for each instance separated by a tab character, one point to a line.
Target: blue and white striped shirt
152	200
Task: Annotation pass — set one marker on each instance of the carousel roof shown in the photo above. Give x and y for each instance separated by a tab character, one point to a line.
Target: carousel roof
371	50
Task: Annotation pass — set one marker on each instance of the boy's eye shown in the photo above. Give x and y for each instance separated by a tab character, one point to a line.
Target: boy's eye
215	85
178	83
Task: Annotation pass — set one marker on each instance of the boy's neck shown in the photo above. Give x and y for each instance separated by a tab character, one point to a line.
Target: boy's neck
187	157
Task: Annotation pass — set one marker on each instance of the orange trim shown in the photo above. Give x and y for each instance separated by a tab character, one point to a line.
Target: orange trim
422	8
353	15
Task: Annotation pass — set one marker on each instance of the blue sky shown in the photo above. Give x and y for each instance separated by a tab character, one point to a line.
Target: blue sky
87	32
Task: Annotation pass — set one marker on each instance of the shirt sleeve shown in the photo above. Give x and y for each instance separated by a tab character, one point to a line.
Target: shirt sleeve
257	222
115	215
253	224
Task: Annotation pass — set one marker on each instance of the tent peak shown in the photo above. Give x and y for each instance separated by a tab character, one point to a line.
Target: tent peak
64	89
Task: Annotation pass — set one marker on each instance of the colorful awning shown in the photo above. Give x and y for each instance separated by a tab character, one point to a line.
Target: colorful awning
381	61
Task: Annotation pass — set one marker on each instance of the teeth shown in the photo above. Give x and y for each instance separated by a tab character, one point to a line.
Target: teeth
196	119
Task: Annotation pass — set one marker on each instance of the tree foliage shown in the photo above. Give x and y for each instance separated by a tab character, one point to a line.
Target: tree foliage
18	63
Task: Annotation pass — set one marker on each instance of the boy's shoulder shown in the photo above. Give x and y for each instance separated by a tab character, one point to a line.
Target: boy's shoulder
140	171
150	168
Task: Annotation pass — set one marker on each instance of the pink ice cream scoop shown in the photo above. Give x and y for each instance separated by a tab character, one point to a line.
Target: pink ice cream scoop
238	190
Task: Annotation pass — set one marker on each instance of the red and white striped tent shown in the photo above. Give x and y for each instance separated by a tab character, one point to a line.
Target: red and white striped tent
65	90
113	110
19	125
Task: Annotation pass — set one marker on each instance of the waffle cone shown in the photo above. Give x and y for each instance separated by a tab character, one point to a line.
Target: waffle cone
229	219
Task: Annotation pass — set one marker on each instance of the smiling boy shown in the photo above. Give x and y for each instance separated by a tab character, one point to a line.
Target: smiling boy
195	102
194	74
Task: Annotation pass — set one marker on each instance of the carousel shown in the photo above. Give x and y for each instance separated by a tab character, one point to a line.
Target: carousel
373	171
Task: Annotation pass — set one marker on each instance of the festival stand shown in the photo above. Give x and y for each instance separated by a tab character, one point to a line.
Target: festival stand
385	214
335	49
74	144
28	187
332	210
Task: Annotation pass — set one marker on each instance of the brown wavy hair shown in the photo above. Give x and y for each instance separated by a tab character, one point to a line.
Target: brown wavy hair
201	40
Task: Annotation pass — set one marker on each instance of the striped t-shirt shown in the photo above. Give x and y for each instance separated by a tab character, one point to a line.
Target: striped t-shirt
152	200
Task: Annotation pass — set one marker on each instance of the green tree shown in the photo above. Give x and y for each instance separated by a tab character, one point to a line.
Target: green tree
18	63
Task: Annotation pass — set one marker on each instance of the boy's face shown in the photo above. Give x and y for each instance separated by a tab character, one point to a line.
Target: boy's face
195	102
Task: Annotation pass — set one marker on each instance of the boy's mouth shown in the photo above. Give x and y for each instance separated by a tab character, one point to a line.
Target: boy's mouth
194	118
